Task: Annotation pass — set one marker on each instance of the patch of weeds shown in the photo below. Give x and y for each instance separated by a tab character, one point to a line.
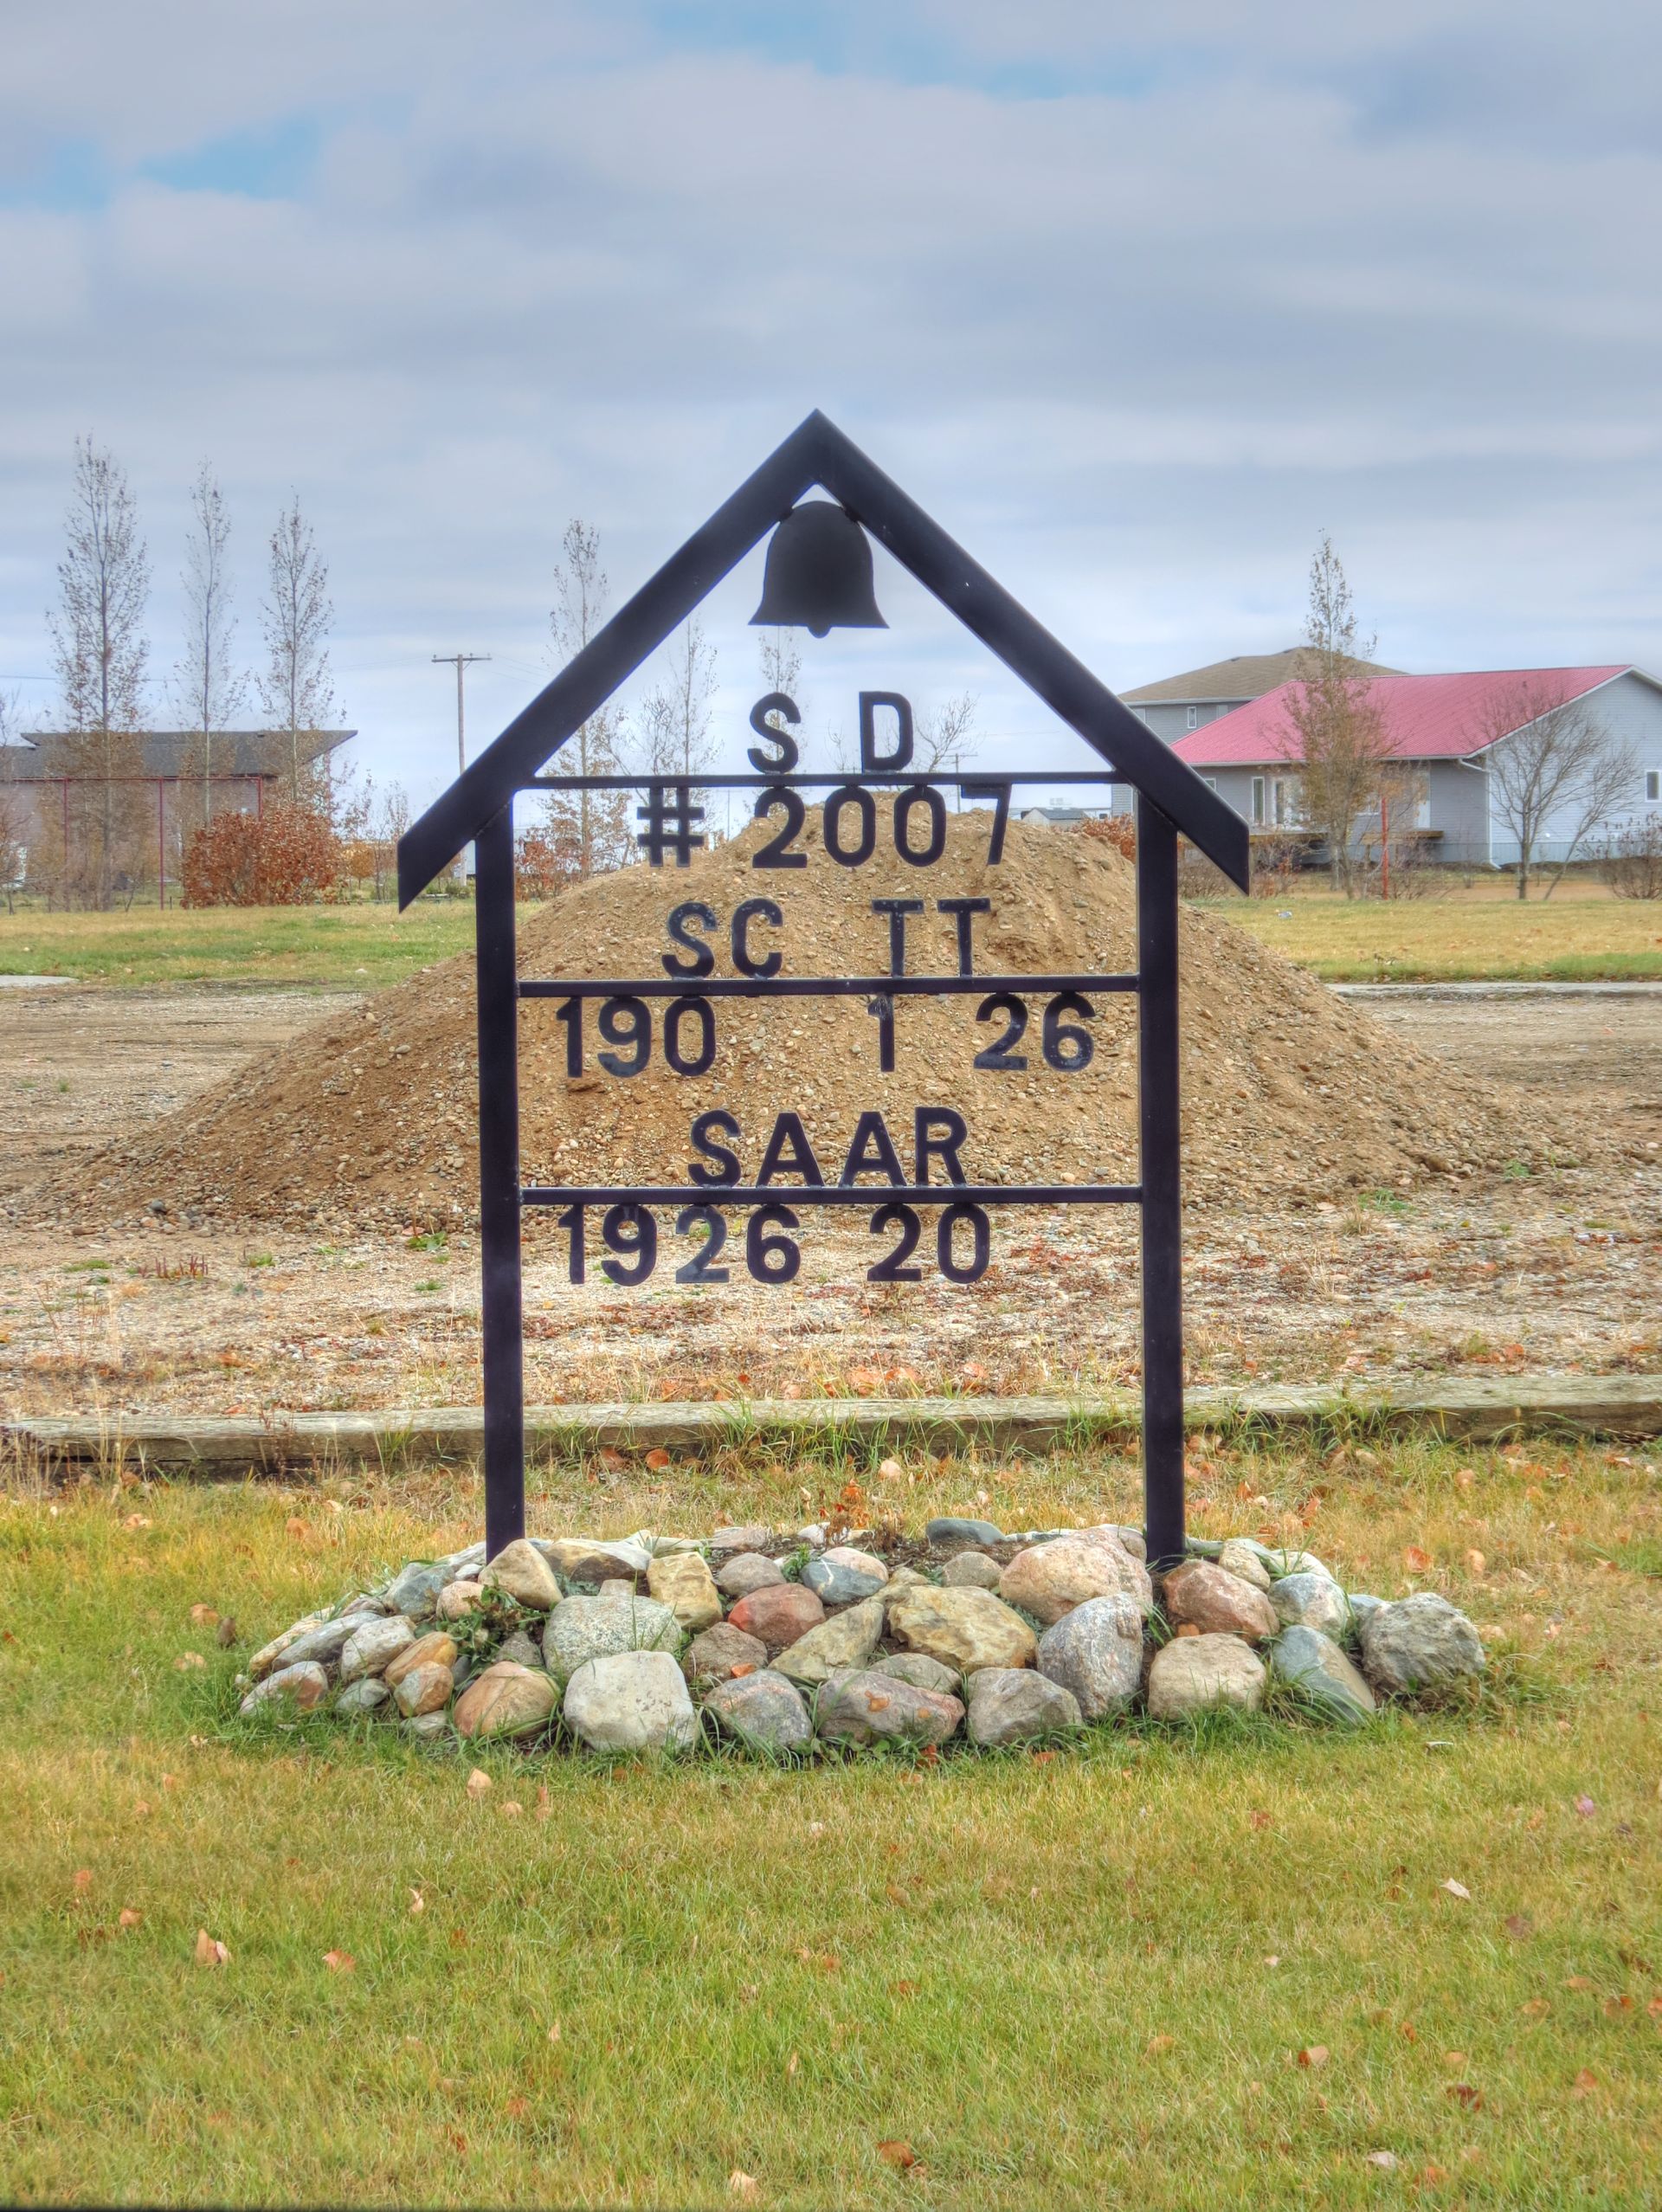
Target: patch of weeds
1644	1558
259	1260
481	1632
1517	1171
1386	1202
429	1286
429	1240
86	1267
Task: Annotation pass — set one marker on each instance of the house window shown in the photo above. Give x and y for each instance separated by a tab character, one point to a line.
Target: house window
1653	782
1257	801
1282	802
1194	718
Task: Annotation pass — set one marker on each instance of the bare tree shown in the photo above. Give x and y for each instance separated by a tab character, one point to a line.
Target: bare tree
1338	734
676	718
781	662
99	632
295	689
942	735
208	687
1550	757
589	830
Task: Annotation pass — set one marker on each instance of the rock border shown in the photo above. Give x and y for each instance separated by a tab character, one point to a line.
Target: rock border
220	1447
790	1645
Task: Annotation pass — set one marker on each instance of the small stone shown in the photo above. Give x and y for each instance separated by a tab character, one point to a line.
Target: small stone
365	1696
434	1649
778	1614
1312	1664
869	1708
520	1650
304	1685
458	1598
1011	1705
415	1589
631	1701
582	1559
762	1711
582	1628
903	1578
1218	1603
425	1688
1281	1562
371	1648
720	1652
520	1572
664	1547
748	1571
266	1657
920	1670
846	1640
966	1628
684	1583
842	1575
363	1603
616	1586
728	1542
1049	1579
325	1643
1238	1559
467	1562
1364	1606
815	1535
1311	1601
971	1571
1192	1673
1096	1651
1420	1643
506	1700
948	1533
428	1727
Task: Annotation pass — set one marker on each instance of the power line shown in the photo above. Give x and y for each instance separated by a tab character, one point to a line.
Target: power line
461	662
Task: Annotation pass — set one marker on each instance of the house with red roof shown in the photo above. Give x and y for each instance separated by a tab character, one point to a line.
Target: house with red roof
1446	733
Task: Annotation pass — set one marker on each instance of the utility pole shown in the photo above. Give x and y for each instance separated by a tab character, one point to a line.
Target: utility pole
463	660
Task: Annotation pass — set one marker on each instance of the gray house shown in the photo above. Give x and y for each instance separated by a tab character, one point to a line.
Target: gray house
1177	704
1448	732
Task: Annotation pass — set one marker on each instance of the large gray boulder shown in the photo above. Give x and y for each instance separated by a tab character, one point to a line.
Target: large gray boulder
841	1576
1420	1643
846	1640
1312	1600
1048	1580
323	1645
748	1571
1313	1664
582	1628
372	1647
1096	1651
762	1711
1013	1705
631	1701
303	1686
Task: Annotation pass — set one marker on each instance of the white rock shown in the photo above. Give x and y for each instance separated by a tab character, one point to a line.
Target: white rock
1192	1674
371	1648
1096	1651
631	1701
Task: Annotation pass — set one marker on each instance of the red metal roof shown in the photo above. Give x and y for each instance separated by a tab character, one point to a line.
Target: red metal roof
1428	718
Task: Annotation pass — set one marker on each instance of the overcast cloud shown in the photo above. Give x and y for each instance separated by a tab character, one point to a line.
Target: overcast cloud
1136	302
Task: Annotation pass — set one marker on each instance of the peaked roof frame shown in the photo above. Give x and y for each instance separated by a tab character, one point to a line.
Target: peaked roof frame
818	454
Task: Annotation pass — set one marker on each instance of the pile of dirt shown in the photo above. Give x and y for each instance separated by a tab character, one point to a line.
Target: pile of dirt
1289	1094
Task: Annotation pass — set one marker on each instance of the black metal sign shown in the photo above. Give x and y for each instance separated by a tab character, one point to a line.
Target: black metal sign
819	575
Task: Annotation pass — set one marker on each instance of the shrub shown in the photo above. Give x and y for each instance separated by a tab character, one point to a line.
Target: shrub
286	857
1631	863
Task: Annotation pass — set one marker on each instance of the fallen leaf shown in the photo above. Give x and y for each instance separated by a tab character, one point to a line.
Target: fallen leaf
417	1903
517	2108
511	1808
1464	2094
1585	2083
791	2065
478	1783
203	1615
545	1803
1519	1925
658	1459
295	1526
1476	1562
210	1951
1585	1808
127	1917
1415	1560
1457	1889
891	1471
1581	1981
1455	2059
1258	1820
83	1880
133	1520
1316	2055
1431	2174
187	1660
1385	2160
900	2155
743	2188
1537	1819
340	1962
1536	2008
1156	2044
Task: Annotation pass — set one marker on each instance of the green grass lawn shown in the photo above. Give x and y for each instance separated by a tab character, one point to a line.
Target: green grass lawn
362	946
1577	937
1073	1981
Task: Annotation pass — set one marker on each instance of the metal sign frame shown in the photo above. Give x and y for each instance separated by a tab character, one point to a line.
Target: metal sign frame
479	807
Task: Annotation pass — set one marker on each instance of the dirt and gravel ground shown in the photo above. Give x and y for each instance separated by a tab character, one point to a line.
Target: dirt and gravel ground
1539	1271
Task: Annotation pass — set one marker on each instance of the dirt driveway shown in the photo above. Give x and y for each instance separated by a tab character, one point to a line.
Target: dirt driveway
1542	1272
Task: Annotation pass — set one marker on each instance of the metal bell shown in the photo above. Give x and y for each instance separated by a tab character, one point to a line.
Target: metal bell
819	573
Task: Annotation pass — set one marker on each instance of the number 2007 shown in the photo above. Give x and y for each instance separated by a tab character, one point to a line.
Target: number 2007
629	1233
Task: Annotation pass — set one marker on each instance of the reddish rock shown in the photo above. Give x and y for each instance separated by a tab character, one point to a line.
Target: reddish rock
778	1614
1217	1604
723	1651
435	1650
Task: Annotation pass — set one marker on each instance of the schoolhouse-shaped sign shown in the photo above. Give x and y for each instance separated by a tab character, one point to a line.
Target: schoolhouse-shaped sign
819	575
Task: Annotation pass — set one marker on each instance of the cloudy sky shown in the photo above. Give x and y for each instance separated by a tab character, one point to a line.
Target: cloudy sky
1136	301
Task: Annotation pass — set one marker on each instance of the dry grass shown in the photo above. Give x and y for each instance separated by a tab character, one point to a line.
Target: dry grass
1582	935
1049	1978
